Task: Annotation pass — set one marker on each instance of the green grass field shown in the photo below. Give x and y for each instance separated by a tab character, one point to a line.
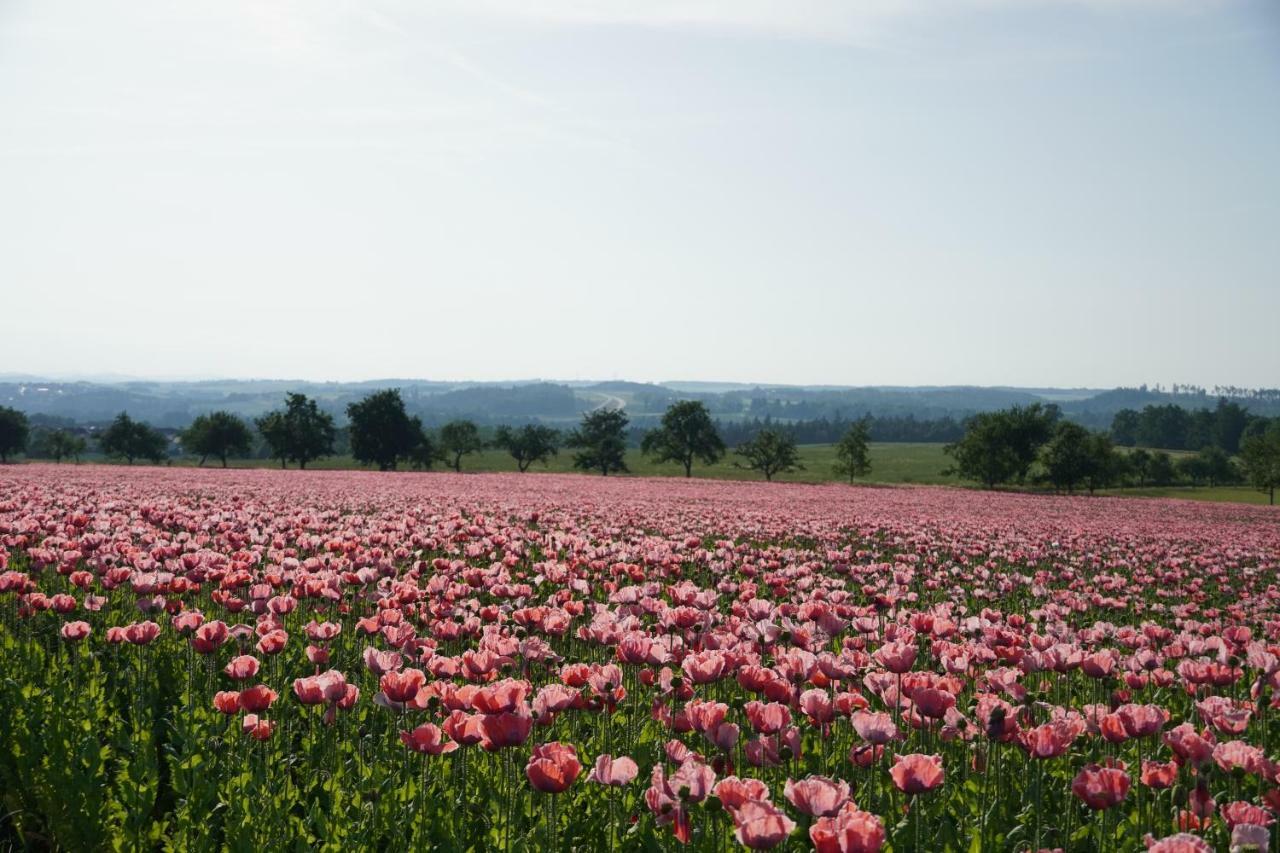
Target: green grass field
891	463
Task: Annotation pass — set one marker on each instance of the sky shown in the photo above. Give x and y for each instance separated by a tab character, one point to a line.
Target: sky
1080	193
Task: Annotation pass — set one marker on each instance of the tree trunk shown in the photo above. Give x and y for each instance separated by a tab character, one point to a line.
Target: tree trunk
283	463
224	461
688	468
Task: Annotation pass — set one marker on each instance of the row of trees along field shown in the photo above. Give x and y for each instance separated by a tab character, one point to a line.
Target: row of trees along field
383	434
1020	445
1032	444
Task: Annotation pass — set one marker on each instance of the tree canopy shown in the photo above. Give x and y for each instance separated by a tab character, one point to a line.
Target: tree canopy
425	453
1260	459
528	444
770	452
1174	427
1211	465
129	439
60	444
382	432
1067	456
300	432
219	434
1000	447
14	430
853	455
458	439
601	440
686	433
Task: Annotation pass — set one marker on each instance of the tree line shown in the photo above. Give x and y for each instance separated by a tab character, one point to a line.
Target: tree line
1021	445
1033	445
1173	427
381	433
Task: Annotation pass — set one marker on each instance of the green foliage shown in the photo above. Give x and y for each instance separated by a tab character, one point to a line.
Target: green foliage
528	444
1210	466
382	433
63	444
1026	429
1076	456
219	434
1066	456
602	441
983	453
1000	447
686	433
770	452
853	455
425	453
459	439
14	430
55	444
1161	471
298	433
1177	428
130	440
1260	459
1139	465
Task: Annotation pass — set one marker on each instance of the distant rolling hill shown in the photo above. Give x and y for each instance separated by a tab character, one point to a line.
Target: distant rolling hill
174	404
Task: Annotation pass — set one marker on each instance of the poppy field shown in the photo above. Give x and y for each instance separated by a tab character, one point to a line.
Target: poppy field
268	660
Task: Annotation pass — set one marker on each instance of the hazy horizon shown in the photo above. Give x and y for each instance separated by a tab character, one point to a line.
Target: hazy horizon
991	193
121	378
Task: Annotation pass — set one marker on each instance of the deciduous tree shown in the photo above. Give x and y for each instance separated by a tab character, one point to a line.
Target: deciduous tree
62	444
770	452
1260	458
528	444
13	432
853	454
1000	447
459	439
1066	456
129	439
425	453
300	432
1140	465
685	434
601	440
382	432
219	434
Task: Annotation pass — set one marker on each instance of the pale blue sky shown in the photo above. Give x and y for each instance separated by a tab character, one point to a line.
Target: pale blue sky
1014	192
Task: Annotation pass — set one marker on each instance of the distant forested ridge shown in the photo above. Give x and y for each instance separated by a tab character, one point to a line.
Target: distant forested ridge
811	414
